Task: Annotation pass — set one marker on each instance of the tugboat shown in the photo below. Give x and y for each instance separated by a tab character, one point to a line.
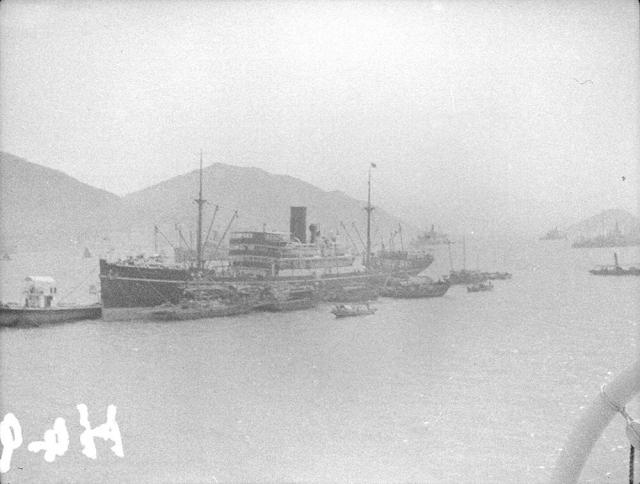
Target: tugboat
346	311
464	276
615	269
480	287
39	308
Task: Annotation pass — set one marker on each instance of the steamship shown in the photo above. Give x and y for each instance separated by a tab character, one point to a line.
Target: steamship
259	258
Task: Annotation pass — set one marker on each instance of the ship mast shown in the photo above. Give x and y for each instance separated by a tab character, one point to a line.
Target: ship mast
369	209
200	201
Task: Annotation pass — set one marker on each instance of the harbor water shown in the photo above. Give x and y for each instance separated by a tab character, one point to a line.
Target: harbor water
469	387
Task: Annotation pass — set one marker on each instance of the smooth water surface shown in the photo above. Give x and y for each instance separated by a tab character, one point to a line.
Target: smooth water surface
480	387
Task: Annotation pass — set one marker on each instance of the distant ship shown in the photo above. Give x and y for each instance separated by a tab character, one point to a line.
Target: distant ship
431	238
615	269
554	234
614	238
258	258
470	277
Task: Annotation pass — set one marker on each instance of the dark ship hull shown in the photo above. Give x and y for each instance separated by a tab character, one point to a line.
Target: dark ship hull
38	316
129	286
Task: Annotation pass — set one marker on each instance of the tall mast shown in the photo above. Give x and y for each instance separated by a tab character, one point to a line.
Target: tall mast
369	209
200	201
464	254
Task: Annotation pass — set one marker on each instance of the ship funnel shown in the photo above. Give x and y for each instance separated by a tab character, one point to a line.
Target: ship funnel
298	223
314	233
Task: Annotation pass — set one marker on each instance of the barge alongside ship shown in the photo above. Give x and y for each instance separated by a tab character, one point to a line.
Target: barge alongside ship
259	258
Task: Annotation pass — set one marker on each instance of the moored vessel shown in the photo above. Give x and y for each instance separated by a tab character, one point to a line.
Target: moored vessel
496	275
615	269
258	258
480	287
39	307
195	310
464	276
287	299
414	288
350	310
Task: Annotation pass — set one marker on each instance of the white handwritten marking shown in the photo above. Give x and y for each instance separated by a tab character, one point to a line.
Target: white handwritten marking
106	431
56	441
11	439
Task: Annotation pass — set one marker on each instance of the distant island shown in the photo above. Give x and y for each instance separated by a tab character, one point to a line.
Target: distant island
612	238
610	228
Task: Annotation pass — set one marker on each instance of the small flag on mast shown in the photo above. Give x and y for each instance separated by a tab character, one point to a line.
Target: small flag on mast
373	165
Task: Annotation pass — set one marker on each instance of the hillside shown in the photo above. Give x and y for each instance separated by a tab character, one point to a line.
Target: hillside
42	208
605	222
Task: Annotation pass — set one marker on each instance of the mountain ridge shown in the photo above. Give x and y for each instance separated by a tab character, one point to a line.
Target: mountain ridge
605	221
44	207
66	211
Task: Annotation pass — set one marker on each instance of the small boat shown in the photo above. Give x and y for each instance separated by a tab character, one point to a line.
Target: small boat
496	275
615	269
39	308
415	288
195	310
464	276
480	287
554	234
345	311
279	299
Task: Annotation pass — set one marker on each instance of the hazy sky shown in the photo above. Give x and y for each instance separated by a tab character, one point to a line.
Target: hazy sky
534	100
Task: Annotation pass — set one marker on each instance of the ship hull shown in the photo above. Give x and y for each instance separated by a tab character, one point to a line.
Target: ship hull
37	317
132	287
